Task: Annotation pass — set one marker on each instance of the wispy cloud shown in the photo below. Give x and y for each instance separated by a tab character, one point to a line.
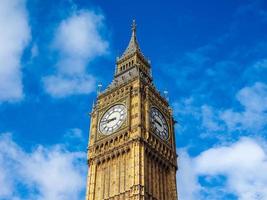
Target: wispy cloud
45	173
261	64
253	117
246	116
61	86
78	41
209	119
14	37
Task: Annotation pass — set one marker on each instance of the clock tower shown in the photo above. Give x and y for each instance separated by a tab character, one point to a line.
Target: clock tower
131	152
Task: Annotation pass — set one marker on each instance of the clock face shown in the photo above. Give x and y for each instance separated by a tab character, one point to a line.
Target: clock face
159	124
112	119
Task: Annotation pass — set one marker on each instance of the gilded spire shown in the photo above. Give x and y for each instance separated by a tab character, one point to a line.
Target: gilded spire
133	45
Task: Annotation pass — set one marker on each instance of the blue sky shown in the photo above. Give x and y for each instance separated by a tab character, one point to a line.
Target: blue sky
210	56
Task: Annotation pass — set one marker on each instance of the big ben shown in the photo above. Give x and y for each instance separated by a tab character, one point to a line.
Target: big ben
131	151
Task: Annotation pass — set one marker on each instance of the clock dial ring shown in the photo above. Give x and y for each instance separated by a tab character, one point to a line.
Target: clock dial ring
159	123
112	119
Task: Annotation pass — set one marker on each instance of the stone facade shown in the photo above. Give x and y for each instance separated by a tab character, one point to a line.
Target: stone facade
132	162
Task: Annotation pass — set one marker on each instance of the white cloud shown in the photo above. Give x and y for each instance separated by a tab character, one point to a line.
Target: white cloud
249	116
74	139
34	51
253	117
244	164
45	173
209	119
186	107
188	187
74	133
14	37
254	98
61	86
205	118
78	41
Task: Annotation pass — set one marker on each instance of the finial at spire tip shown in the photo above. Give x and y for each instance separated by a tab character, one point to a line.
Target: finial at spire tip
134	26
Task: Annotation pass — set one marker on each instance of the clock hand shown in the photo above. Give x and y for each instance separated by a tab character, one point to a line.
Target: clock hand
103	121
158	123
114	118
109	120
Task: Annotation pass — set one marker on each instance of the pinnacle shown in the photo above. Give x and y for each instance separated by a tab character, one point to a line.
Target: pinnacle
133	45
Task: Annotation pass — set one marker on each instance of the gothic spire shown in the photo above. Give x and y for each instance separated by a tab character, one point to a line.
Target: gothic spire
133	45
